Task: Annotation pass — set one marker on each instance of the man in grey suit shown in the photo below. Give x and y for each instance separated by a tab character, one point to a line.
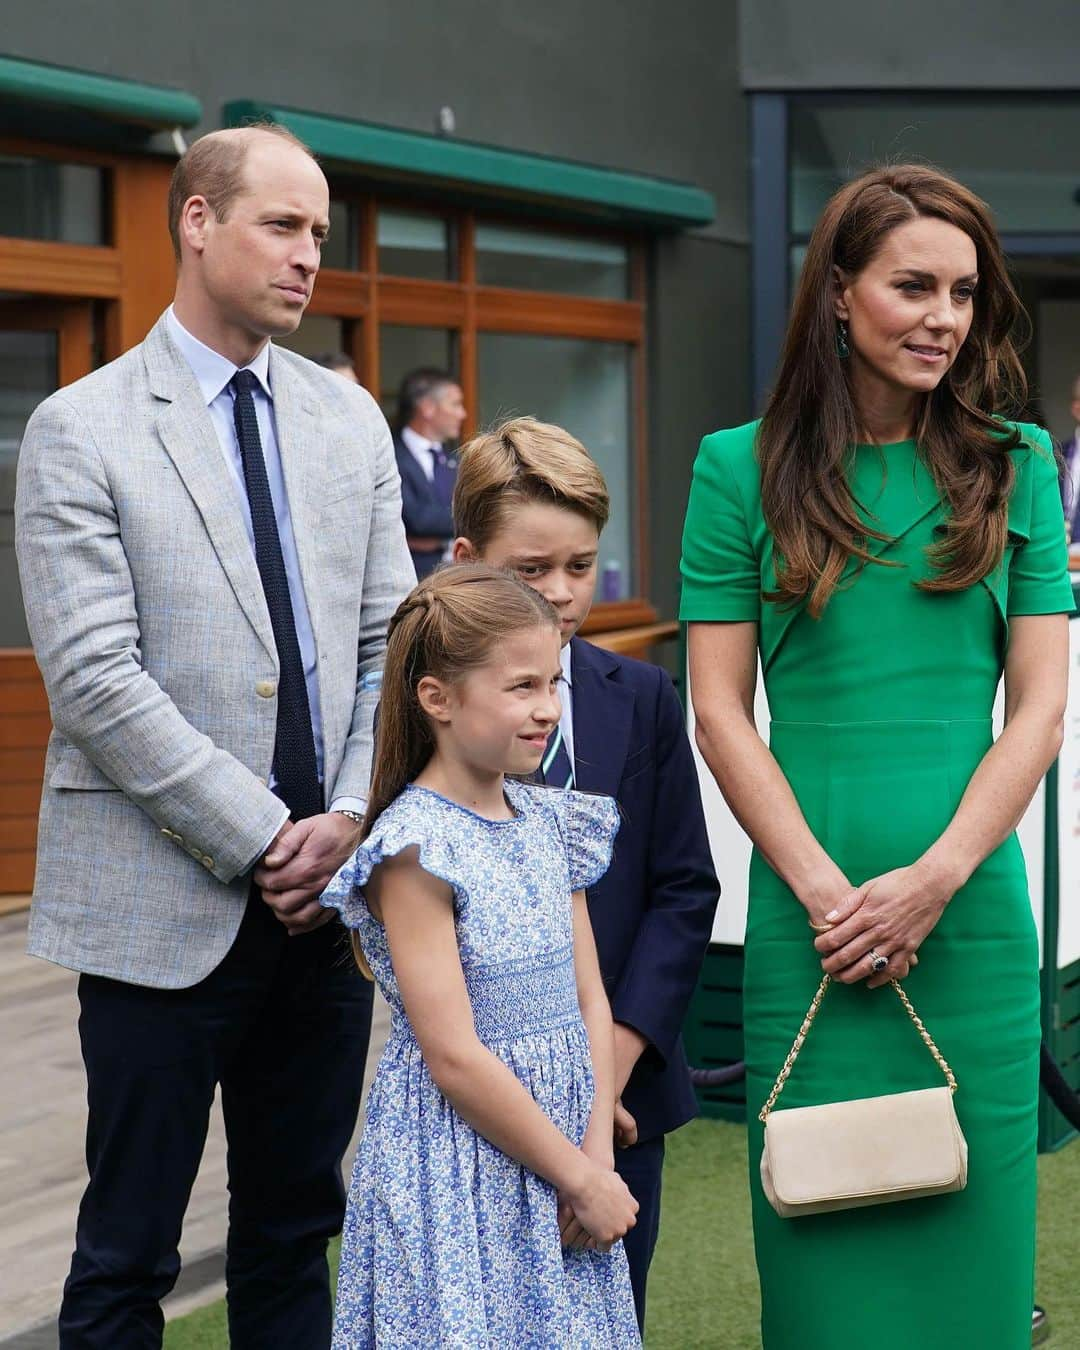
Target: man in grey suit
210	545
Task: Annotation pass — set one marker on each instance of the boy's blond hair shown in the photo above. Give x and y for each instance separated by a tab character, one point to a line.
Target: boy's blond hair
523	460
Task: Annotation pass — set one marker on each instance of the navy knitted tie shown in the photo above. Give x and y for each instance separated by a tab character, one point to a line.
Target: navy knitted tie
294	745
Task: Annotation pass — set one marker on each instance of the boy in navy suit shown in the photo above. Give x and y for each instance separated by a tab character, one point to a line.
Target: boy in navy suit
529	498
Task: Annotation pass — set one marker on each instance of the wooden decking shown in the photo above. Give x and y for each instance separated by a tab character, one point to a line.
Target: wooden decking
42	1122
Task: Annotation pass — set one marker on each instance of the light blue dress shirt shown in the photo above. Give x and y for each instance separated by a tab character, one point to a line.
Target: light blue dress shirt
213	372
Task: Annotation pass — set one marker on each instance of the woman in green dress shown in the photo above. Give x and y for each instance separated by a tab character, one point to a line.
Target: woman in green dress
890	545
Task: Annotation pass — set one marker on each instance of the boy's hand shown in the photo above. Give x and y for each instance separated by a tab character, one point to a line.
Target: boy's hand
630	1045
625	1127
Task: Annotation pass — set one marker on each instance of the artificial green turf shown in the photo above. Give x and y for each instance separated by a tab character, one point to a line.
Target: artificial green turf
702	1286
702	1282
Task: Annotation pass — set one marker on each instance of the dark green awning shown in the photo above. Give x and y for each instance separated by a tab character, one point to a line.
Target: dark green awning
609	194
102	96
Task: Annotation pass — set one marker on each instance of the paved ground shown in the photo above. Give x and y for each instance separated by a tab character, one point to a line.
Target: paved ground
42	1170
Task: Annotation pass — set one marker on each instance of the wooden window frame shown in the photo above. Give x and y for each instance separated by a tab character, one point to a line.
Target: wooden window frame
364	298
133	274
129	280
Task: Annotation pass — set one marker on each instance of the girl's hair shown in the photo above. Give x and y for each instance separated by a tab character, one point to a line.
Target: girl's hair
448	625
811	421
523	460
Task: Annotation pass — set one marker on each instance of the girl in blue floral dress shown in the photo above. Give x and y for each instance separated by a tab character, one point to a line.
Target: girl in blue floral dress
484	1209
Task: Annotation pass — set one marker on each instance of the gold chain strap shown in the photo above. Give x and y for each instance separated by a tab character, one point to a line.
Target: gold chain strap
808	1021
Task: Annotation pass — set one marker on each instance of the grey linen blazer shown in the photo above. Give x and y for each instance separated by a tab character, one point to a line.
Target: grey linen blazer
151	629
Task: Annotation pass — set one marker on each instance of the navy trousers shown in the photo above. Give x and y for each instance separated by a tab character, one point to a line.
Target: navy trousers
641	1167
282	1025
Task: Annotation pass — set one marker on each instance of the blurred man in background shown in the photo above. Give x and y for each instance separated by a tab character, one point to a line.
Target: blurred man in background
339	363
431	411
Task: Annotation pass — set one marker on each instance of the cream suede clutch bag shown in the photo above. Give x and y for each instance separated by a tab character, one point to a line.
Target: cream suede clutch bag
869	1151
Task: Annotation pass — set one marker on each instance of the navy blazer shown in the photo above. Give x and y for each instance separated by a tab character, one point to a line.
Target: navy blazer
652	912
421	510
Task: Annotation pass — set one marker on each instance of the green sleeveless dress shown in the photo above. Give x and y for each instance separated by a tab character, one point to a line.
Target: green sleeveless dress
881	712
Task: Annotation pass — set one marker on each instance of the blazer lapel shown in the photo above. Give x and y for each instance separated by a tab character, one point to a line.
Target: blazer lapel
603	714
191	442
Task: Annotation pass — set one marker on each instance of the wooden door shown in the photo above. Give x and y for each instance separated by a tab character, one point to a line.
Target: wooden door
43	345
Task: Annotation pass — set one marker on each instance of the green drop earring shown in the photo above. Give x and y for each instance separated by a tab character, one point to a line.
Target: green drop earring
843	351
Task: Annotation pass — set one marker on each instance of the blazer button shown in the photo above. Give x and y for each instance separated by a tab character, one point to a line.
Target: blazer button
266	688
208	862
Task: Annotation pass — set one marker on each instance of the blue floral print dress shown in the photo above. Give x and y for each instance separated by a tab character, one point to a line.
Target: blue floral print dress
448	1242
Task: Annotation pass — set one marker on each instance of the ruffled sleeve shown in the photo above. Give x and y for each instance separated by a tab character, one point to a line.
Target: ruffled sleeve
402	825
588	823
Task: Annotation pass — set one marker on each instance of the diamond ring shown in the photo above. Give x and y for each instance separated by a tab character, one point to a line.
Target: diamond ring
877	962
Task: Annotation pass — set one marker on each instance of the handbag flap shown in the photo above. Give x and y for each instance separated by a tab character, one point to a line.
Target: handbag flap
874	1145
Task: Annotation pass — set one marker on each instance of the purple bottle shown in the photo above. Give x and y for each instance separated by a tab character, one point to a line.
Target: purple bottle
611	580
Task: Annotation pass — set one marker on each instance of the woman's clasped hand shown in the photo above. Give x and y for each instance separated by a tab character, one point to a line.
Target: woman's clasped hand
888	916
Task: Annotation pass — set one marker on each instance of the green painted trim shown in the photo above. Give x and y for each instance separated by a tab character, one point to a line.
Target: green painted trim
119	100
610	193
713	1029
1054	1130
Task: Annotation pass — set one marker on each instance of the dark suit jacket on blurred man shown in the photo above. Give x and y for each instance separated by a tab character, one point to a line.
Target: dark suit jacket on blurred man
431	411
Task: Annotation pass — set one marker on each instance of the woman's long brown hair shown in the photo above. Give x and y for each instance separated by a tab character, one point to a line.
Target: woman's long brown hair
811	422
446	626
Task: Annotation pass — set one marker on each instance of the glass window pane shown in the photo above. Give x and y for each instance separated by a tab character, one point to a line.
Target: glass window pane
28	374
535	260
415	245
403	349
43	199
796	258
1057	361
342	248
320	336
1019	155
585	387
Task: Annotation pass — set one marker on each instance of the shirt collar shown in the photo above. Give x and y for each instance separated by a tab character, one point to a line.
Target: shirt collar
416	442
564	661
213	371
